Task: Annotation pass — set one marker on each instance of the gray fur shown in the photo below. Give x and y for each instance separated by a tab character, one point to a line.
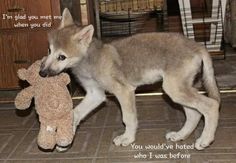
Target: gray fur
122	65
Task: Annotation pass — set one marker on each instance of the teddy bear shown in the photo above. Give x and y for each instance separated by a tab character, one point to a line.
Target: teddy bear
53	104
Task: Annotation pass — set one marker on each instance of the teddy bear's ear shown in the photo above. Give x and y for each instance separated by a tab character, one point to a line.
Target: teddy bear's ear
38	62
22	73
65	78
43	59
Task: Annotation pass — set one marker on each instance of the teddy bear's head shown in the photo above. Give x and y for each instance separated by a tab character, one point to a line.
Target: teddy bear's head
30	74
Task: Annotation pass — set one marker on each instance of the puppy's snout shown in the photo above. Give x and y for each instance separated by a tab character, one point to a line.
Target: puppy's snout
46	71
43	73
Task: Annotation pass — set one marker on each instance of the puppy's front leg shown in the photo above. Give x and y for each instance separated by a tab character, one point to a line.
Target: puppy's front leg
126	98
94	97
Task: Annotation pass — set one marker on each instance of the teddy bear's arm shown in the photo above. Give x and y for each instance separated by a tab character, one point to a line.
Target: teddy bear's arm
24	97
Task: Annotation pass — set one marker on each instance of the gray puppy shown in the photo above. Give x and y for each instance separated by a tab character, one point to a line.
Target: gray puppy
123	65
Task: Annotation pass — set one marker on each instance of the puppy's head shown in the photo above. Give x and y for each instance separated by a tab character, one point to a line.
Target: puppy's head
68	45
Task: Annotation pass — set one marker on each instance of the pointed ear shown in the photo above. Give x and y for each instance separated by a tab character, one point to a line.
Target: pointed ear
85	35
67	19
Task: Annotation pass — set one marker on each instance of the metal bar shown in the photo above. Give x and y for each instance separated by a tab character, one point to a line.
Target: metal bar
160	94
228	91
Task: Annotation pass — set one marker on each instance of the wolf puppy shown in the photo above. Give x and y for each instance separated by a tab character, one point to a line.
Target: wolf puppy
123	65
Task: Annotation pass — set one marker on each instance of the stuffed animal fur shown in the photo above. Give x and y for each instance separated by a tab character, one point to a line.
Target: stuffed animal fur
53	104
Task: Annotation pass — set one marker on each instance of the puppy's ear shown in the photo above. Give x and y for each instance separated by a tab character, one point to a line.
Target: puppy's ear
67	19
85	35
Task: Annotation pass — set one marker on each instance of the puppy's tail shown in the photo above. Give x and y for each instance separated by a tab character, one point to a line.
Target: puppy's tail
209	80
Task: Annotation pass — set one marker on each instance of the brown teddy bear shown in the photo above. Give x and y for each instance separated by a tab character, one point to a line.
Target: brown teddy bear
53	104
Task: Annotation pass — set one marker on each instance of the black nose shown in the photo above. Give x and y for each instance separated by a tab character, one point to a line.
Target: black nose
43	73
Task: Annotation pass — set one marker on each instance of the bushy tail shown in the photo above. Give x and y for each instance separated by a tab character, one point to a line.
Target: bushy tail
209	78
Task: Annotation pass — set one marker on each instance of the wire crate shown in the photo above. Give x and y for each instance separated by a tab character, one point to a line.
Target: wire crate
127	17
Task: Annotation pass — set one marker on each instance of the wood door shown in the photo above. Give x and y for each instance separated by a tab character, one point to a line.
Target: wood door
13	55
21	47
41	9
38	45
13	12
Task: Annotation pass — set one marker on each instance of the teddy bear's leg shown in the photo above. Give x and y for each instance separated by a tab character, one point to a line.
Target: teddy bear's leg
47	137
65	134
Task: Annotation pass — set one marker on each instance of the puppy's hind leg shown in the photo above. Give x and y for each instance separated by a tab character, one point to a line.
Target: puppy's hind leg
192	119
188	96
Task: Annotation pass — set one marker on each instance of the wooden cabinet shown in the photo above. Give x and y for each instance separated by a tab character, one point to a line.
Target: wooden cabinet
20	43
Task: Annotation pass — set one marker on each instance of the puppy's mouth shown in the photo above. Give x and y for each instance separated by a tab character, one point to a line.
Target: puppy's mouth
50	73
47	73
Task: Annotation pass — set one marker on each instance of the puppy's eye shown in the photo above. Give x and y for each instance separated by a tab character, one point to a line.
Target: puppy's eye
49	51
61	57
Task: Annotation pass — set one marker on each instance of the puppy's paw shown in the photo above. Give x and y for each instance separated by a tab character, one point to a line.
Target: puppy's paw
202	143
61	149
123	140
174	136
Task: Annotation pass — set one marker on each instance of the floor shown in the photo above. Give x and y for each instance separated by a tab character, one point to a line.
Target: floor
93	140
157	115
